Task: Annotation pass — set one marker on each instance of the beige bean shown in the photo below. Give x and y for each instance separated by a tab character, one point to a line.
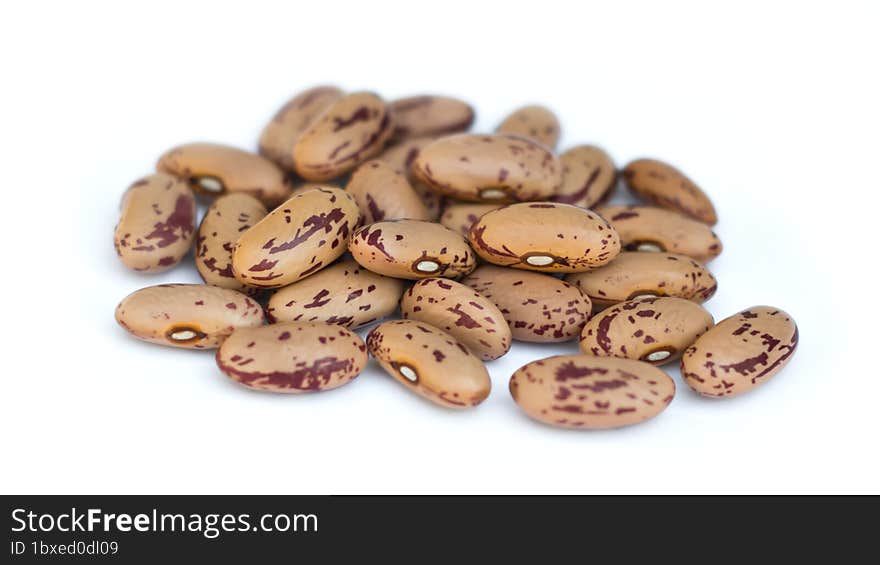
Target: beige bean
669	188
228	217
741	352
401	157
299	238
192	316
544	236
647	228
345	294
281	134
586	392
534	122
411	249
430	362
462	312
655	330
156	224
588	176
539	308
292	357
350	131
460	217
637	274
383	193
212	169
417	116
489	168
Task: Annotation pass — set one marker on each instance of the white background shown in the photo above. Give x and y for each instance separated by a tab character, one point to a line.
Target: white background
771	107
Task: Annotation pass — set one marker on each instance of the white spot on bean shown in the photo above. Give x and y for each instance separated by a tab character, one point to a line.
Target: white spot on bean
658	356
182	335
540	260
210	184
647	246
492	193
427	266
408	373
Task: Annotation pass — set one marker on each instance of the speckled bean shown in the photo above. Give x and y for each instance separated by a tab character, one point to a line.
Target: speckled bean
460	217
350	131
292	357
401	157
668	187
586	392
539	308
646	228
417	116
462	312
297	239
655	330
544	236
213	169
224	222
192	316
281	134
411	249
383	193
489	168
344	294
588	176
741	352
637	274
430	362
534	122
156	224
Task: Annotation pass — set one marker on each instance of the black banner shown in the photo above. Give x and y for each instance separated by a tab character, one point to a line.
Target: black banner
256	529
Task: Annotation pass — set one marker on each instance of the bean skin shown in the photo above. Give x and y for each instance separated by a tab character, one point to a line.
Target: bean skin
489	168
585	392
539	308
411	249
460	217
292	357
741	352
296	240
534	122
639	274
655	330
156	224
212	169
288	124
462	312
647	228
401	157
350	131
418	116
588	177
191	316
430	362
666	186
383	193
544	236
224	222
345	294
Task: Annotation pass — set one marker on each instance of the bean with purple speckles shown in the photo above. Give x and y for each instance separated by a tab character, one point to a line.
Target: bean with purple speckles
741	352
345	294
534	122
489	168
461	311
430	362
411	249
539	308
192	316
647	228
350	131
588	176
292	357
460	217
401	157
639	274
668	187
418	116
228	217
655	330
288	124
383	193
212	169
297	239
544	236
585	392
156	224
